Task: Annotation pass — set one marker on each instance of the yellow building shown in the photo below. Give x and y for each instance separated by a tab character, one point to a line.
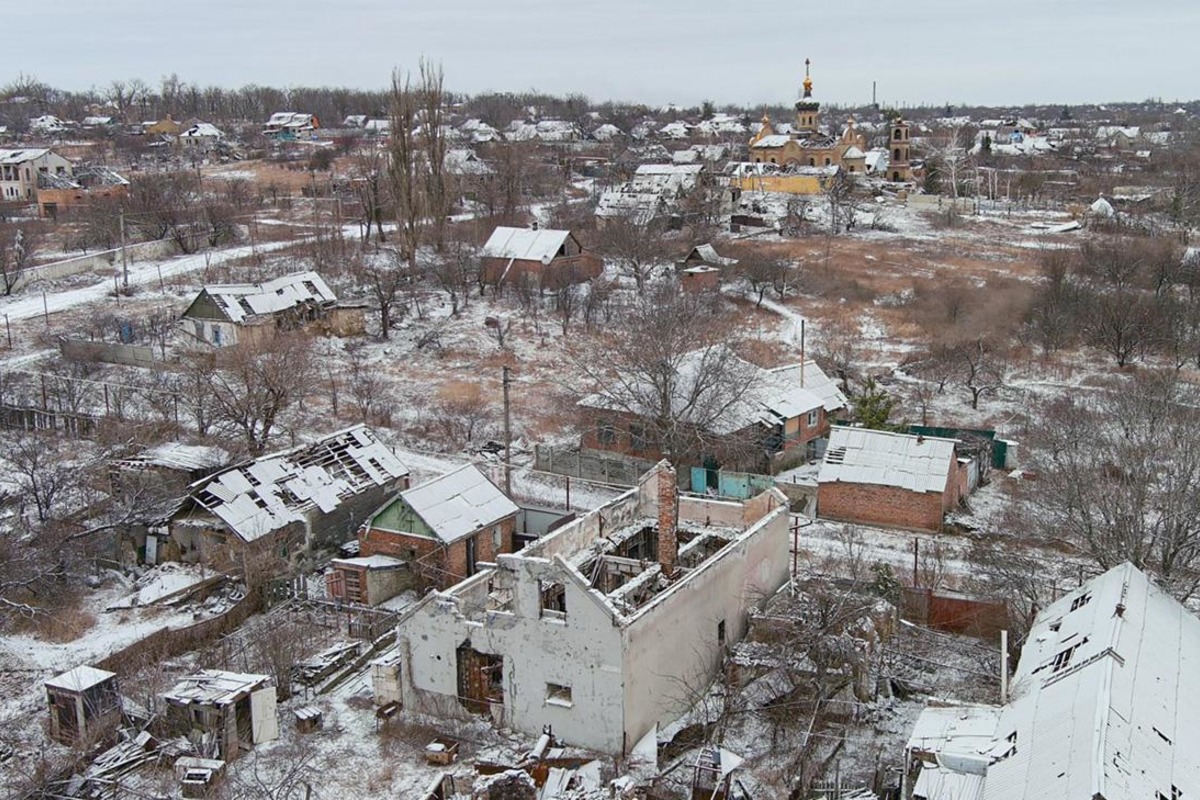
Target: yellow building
805	145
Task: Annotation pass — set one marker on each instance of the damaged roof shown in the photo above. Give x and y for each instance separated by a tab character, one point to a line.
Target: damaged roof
458	503
266	494
187	457
524	244
883	458
239	301
214	687
816	381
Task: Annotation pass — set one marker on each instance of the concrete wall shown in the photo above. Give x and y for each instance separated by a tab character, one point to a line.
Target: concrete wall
581	650
109	353
672	648
103	260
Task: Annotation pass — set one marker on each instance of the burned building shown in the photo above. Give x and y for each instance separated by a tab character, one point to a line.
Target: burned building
598	628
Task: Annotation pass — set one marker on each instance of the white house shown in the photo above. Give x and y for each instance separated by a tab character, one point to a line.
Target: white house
19	170
1101	707
598	628
201	136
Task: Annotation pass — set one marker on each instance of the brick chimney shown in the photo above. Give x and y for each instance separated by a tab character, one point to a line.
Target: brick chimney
668	518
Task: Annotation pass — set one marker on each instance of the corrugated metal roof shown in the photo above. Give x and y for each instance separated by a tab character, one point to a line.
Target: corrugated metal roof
214	687
1103	699
524	244
273	491
883	458
242	300
459	503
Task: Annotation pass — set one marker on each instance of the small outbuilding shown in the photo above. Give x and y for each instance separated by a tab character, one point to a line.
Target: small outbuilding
83	701
224	713
894	479
551	258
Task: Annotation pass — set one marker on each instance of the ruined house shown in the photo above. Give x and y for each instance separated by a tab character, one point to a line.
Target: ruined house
237	313
310	496
224	713
1100	706
438	531
83	702
893	479
603	628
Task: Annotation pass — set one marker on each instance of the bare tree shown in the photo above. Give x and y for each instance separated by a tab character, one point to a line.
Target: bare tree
635	246
18	243
1119	477
252	385
983	368
671	365
388	275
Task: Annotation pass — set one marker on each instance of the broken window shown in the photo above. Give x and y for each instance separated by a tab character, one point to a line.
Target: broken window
480	679
558	695
721	634
1080	602
553	599
606	434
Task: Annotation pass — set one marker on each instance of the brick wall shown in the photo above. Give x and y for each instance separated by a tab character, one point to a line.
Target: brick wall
880	505
447	565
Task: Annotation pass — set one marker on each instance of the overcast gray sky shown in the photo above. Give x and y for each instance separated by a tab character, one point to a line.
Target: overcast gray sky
654	51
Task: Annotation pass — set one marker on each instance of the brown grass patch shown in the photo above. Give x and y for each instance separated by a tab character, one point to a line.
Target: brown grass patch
57	625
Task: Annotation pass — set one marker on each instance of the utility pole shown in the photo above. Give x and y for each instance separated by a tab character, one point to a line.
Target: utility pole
124	258
507	435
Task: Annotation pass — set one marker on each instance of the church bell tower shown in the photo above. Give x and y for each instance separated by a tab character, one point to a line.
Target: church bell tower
807	109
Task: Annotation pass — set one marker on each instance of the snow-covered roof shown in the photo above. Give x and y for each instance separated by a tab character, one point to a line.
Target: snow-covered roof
605	132
769	398
242	300
275	490
175	455
652	188
458	503
772	140
709	255
884	458
1102	699
370	562
203	130
815	381
214	687
80	679
1101	208
853	152
524	244
22	155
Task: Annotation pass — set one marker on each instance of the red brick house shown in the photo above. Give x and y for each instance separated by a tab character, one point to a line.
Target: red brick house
442	528
551	258
890	479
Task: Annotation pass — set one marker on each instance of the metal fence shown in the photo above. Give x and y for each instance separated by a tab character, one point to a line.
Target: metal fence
592	465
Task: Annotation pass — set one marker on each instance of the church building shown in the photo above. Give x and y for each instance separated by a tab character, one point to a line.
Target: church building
804	144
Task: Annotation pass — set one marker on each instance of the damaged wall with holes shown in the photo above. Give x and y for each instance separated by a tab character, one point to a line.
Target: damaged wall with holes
604	627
